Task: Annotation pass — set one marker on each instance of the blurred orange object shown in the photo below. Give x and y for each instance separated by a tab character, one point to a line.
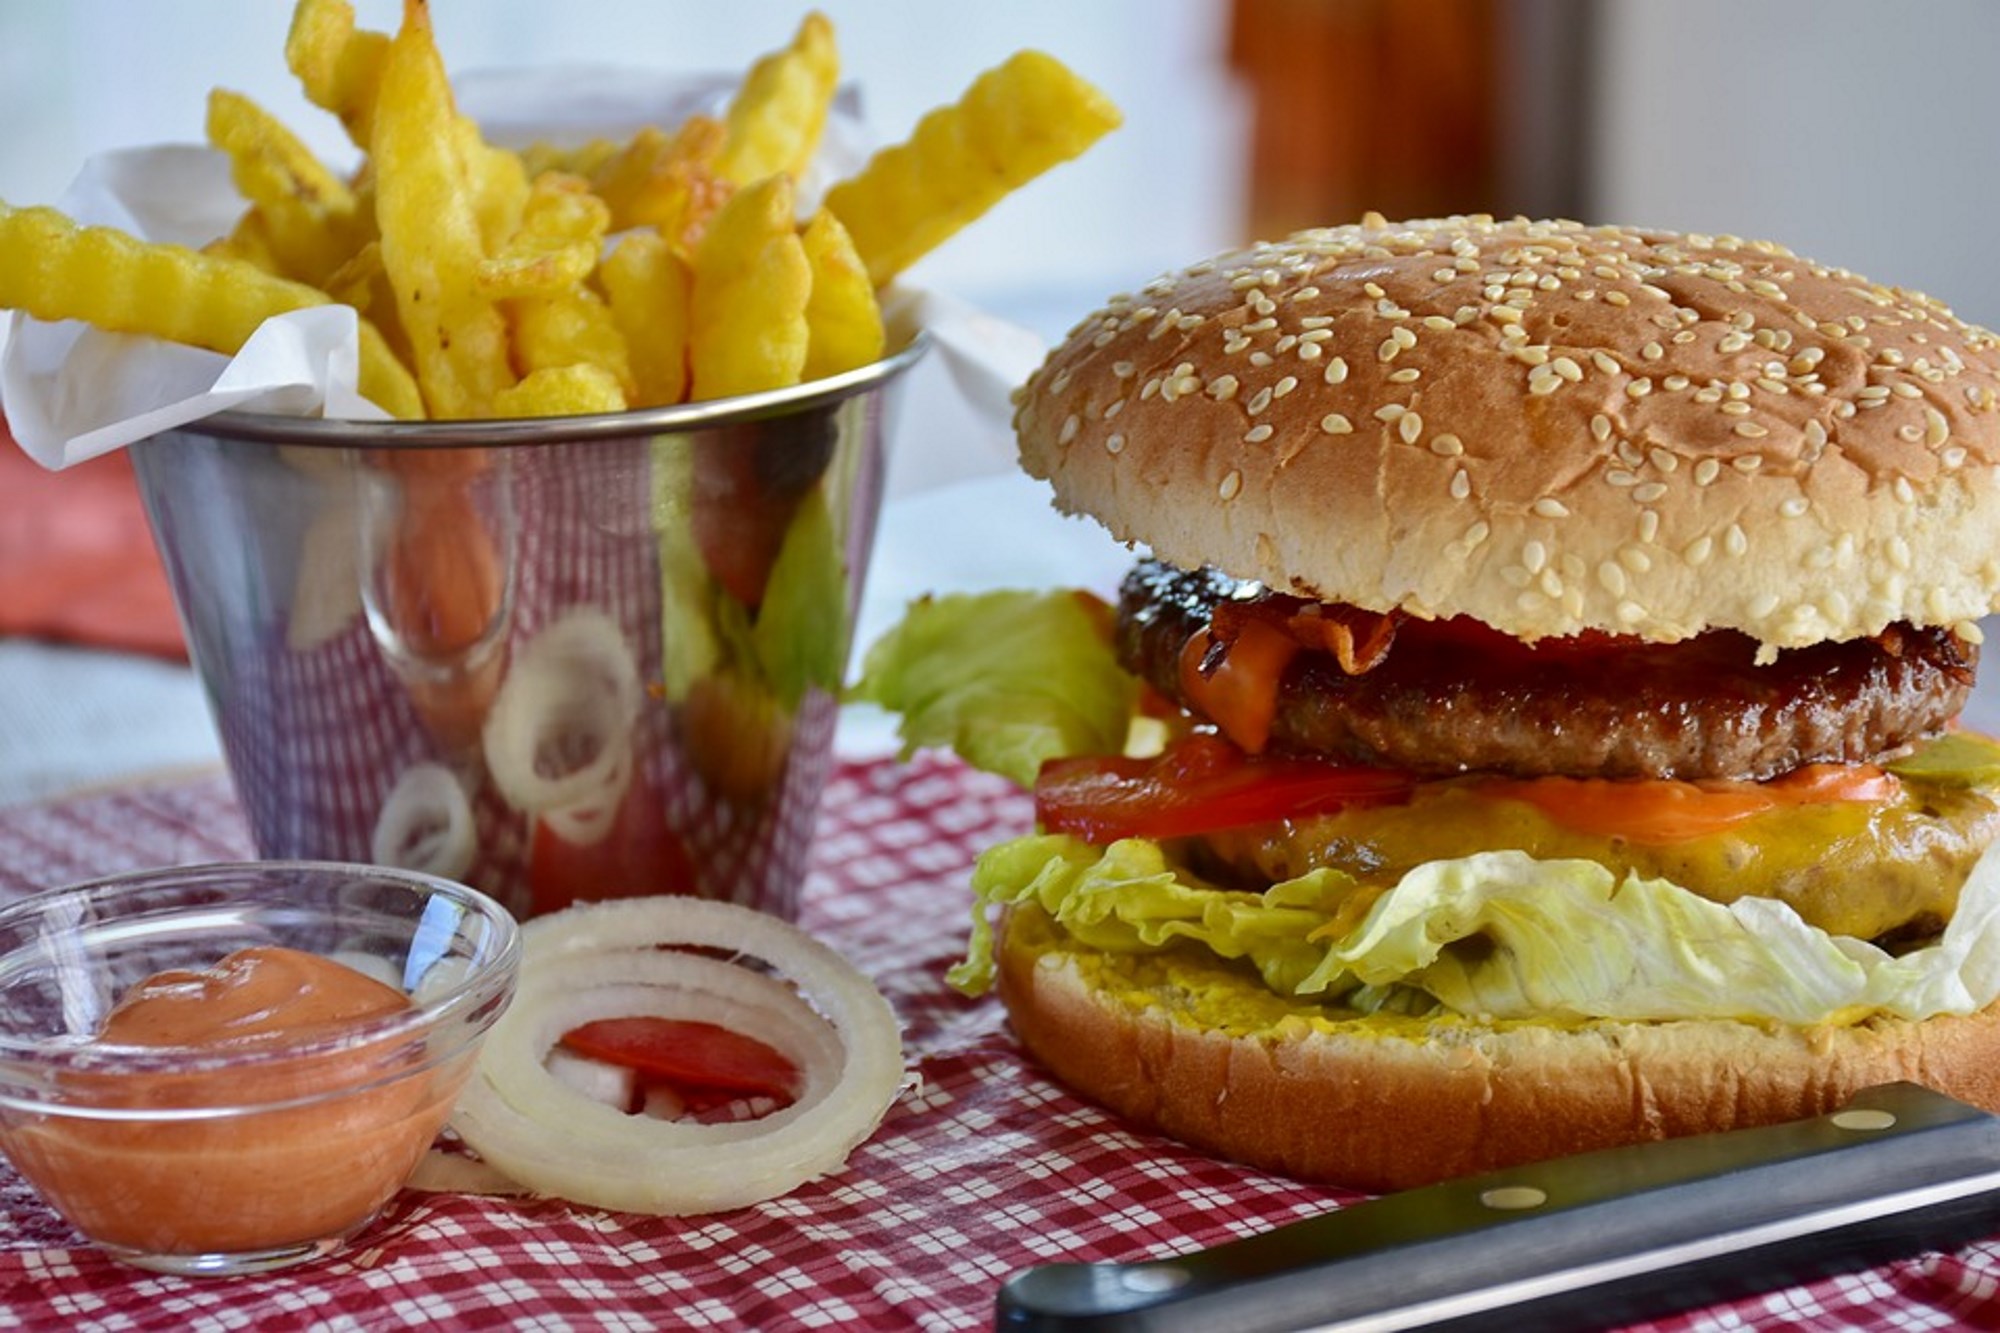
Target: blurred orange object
77	562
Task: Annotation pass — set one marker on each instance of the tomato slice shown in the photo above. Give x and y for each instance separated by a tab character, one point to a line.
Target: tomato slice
1201	784
703	1062
1658	811
641	854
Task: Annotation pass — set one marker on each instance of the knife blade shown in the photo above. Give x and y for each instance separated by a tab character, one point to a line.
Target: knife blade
1587	1241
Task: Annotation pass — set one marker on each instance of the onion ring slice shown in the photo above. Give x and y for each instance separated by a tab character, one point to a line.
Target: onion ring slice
426	824
613	959
559	736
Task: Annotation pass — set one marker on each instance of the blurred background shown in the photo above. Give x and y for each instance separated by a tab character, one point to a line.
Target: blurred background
1853	131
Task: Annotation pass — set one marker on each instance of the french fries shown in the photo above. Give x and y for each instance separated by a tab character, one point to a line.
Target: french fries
56	270
558	280
843	321
776	117
1015	122
747	306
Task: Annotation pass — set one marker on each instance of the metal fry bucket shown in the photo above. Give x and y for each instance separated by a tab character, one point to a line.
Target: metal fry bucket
559	660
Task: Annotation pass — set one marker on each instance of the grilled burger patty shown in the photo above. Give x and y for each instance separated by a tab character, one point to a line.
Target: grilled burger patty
1452	697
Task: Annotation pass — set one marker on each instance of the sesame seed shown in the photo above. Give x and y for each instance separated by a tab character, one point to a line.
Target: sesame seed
1447	445
1600	427
1069	429
1336	370
1905	492
1734	541
1649	492
1461	485
1259	401
1794	507
1751	430
1258	434
1936	429
1706	471
1662	458
1549	507
1605	362
1284	386
1222	388
1698	551
1410	426
1231	484
1568	369
1061	381
1534	556
1112	408
1652	351
1114	444
1333	423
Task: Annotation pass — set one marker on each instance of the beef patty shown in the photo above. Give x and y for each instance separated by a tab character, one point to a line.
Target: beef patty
1453	696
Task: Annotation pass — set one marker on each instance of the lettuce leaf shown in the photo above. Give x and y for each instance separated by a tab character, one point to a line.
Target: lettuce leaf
1007	679
1501	935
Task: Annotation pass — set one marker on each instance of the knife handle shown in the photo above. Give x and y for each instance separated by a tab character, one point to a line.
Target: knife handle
1588	1240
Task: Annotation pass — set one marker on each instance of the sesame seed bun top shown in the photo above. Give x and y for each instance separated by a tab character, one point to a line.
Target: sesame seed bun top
1546	426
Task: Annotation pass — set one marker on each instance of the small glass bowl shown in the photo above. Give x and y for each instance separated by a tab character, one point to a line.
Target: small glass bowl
246	1156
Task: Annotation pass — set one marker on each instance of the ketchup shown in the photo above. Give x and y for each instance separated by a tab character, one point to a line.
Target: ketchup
265	1175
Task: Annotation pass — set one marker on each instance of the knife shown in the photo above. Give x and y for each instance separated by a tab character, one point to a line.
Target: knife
1587	1241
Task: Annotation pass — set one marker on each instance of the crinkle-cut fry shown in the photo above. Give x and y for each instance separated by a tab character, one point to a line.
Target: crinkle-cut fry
562	391
430	227
311	219
843	319
363	283
556	247
338	65
570	328
779	112
498	181
581	159
666	181
646	283
54	270
1016	121
747	305
249	240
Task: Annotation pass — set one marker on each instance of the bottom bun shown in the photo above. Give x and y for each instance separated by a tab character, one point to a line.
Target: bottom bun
1206	1055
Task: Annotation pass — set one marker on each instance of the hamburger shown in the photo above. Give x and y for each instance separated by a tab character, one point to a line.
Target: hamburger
1530	723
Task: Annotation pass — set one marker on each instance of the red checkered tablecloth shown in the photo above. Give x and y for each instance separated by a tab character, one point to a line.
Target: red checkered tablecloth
985	1168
